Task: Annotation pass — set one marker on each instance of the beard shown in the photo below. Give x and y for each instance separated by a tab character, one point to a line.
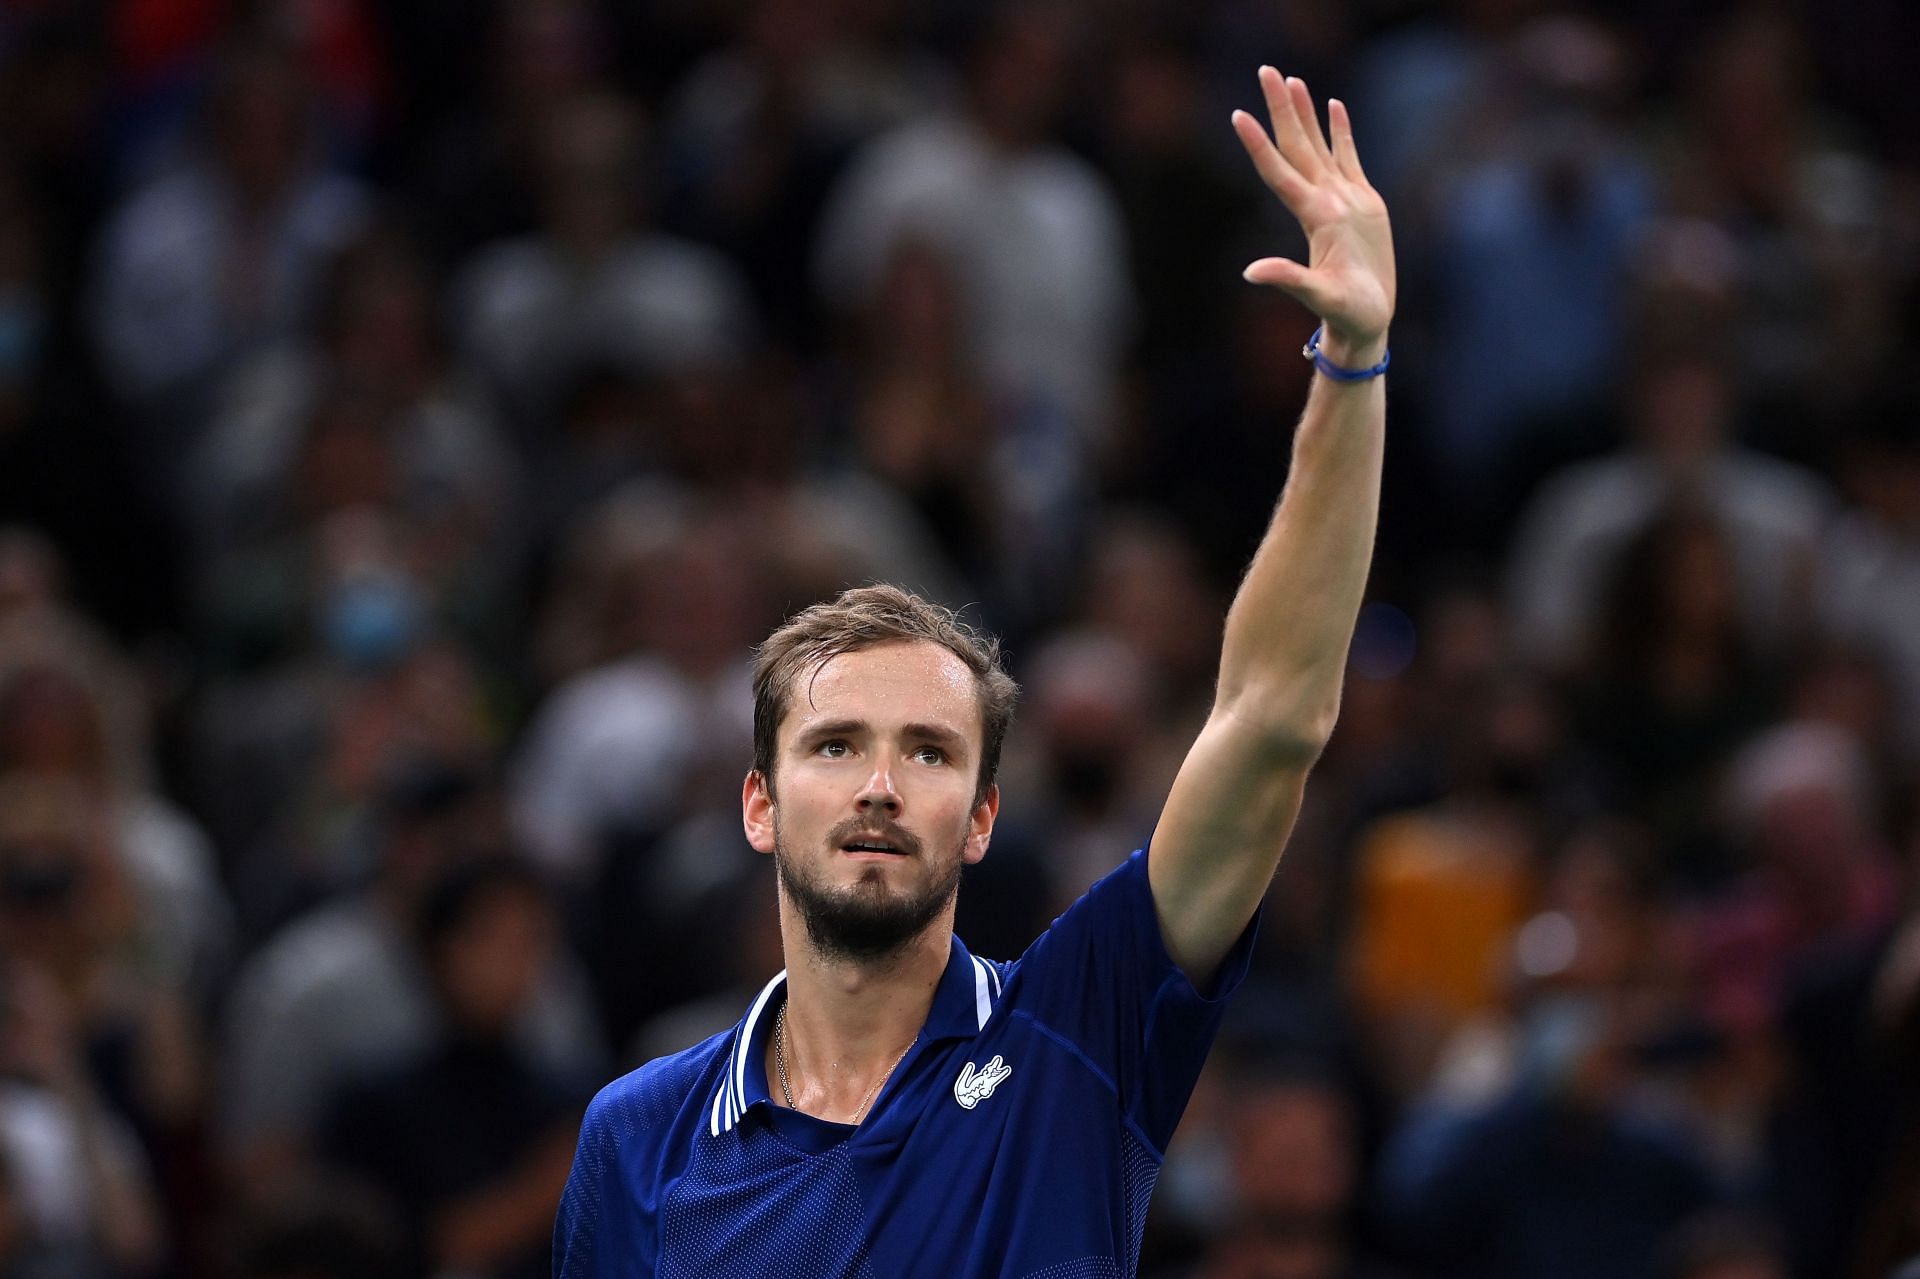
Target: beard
866	921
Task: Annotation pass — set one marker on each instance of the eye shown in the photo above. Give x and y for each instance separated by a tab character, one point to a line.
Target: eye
930	755
834	748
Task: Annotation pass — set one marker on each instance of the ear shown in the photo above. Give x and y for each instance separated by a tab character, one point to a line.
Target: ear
756	811
980	829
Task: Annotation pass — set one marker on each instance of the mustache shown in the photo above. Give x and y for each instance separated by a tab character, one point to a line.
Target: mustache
877	826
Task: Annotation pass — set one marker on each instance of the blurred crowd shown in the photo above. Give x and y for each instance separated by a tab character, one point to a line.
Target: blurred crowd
411	415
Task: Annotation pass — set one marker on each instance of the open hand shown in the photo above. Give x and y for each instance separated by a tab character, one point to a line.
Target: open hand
1348	280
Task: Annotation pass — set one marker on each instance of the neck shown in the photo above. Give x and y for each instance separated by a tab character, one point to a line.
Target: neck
848	1022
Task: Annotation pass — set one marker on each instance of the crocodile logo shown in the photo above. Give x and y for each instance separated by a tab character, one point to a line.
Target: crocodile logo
975	1086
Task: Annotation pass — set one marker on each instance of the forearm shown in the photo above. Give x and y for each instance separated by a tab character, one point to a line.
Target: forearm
480	1230
1234	802
1287	634
125	1216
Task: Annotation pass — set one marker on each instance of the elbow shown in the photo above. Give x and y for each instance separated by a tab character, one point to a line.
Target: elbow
1286	734
1302	747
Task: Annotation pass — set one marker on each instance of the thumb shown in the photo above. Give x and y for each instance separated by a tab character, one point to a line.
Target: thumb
1289	276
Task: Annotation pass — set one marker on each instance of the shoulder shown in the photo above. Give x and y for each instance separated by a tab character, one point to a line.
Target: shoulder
1110	941
508	274
164	847
652	1099
1070	181
906	173
511	256
312	954
668	260
636	685
169	203
637	1131
936	145
1767	489
1598	489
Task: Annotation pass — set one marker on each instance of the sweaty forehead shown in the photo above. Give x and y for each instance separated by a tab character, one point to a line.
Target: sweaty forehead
903	681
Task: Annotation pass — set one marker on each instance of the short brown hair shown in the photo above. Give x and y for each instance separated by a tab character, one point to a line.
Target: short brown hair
861	618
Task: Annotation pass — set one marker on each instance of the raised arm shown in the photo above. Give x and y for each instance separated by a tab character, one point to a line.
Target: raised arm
1235	799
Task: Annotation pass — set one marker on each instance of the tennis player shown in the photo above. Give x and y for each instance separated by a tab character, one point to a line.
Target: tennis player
892	1106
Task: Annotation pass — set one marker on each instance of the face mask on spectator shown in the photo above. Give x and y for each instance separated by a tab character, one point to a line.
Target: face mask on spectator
371	620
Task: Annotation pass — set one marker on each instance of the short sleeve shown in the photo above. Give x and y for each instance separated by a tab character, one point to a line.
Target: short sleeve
593	1236
1101	979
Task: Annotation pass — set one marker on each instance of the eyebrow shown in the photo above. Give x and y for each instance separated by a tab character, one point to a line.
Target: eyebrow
949	740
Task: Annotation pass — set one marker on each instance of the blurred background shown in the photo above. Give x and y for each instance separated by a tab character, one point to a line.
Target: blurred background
411	414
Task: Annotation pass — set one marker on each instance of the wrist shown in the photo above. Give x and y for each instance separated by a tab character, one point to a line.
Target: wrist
1352	351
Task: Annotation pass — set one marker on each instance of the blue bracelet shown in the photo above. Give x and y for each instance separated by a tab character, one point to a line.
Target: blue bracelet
1312	352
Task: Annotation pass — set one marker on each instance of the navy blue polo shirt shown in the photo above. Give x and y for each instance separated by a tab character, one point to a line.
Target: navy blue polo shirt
1020	1137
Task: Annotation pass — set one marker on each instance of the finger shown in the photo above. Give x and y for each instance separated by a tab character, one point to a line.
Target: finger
1309	118
1288	134
1290	277
1346	156
1281	178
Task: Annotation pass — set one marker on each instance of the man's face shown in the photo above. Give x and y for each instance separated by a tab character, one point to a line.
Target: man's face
875	766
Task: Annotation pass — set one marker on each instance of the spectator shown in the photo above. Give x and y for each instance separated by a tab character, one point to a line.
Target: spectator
90	1045
1035	238
482	1195
1804	810
595	284
377	344
311	528
1532	229
660	593
1089	695
293	756
1144	583
71	713
1770	514
921	421
1558	1177
1869	579
1437	893
220	257
1296	1173
1558	1160
1846	1123
475	105
757	131
1675	684
745	909
75	1196
340	990
1759	157
653	622
1186	214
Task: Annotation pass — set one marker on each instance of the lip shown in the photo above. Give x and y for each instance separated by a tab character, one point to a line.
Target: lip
900	852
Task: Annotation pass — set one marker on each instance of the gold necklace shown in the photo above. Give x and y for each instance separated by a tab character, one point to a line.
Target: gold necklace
786	1089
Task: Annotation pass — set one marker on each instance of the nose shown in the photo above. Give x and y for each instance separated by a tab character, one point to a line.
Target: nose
879	793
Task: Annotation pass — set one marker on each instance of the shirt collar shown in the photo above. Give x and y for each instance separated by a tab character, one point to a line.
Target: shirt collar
968	991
